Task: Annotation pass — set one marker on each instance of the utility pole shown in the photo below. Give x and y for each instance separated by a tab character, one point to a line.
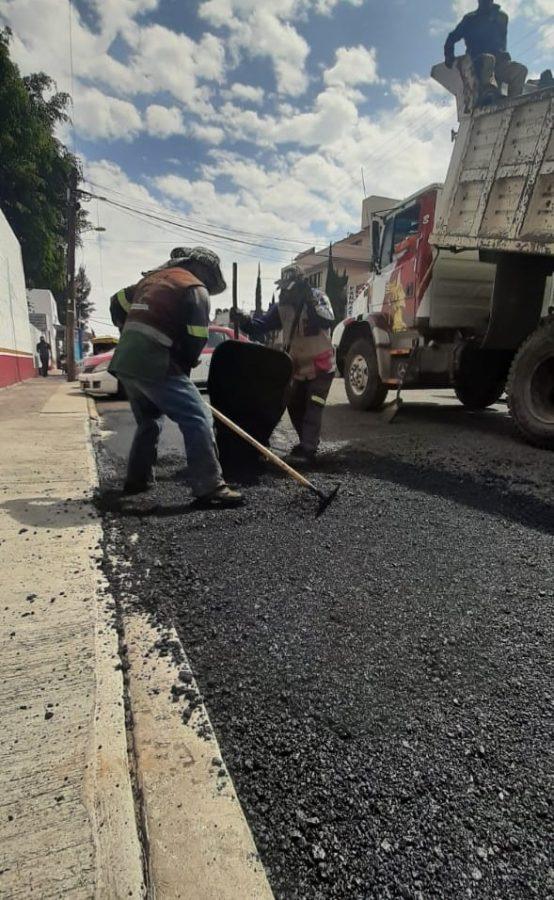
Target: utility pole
235	299
71	243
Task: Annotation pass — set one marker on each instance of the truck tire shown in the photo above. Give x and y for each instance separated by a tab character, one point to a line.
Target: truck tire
364	387
481	377
531	387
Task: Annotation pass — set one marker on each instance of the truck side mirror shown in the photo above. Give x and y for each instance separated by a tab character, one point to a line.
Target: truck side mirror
375	244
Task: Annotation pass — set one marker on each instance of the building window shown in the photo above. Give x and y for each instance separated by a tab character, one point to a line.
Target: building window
315	279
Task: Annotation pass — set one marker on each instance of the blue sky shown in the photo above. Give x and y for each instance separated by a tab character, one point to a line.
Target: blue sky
249	118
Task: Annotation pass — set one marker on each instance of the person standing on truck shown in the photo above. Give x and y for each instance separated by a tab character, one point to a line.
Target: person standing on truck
164	333
306	317
485	32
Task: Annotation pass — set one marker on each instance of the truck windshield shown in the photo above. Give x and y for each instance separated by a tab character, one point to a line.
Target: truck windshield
406	224
397	229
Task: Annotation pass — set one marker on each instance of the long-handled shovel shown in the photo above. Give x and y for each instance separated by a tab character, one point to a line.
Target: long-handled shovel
324	499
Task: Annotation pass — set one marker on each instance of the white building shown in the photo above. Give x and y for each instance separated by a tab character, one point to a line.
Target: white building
43	313
17	353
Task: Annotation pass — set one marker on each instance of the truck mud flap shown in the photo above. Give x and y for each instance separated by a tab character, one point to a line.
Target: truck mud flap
517	300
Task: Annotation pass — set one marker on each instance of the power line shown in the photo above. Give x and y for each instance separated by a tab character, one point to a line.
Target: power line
158	207
214	236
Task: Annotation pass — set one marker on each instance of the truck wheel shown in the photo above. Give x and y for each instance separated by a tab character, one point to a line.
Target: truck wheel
364	387
531	387
481	377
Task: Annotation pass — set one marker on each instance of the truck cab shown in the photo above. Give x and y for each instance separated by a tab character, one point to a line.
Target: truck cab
460	292
419	310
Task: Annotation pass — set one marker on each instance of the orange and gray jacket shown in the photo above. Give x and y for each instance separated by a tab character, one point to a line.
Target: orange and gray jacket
166	326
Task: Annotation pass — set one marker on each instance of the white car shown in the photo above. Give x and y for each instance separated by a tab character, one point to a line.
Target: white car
97	381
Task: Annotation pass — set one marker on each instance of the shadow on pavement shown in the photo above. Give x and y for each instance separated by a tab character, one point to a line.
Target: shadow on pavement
492	493
51	513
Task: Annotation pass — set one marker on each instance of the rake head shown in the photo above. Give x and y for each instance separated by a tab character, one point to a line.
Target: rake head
326	500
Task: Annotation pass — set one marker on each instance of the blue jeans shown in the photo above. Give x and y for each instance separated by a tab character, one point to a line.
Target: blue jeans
180	400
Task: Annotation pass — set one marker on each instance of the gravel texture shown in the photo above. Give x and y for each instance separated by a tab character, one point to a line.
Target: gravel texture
380	679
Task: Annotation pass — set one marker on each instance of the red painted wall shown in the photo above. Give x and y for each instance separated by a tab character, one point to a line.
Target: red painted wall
15	368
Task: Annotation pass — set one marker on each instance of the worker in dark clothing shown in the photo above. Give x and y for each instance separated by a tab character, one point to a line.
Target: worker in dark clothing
164	333
44	351
305	316
485	33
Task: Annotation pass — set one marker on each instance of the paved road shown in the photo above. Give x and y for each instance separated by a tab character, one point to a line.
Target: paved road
380	679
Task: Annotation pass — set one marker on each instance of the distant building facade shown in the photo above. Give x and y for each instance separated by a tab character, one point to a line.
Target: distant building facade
352	254
43	313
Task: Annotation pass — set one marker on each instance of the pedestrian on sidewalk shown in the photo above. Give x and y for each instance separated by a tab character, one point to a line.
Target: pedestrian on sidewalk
164	333
306	317
44	351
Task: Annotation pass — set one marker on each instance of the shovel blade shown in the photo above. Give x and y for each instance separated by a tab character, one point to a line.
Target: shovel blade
391	410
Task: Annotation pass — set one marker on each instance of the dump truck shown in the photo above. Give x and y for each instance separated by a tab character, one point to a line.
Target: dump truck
460	293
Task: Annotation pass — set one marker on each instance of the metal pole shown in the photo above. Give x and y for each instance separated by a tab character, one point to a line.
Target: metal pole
236	298
70	311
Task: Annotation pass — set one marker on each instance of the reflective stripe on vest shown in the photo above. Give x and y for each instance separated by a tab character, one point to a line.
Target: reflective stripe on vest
197	331
317	399
122	300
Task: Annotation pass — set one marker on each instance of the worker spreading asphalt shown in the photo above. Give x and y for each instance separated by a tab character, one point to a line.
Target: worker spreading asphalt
380	679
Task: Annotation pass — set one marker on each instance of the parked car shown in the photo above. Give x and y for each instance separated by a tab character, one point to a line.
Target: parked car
97	381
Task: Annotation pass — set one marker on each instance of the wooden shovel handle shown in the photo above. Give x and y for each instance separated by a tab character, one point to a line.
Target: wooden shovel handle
265	451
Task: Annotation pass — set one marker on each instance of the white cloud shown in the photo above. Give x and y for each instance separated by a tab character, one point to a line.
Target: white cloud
512	7
100	117
353	65
246	92
210	134
130	244
164	121
334	114
263	28
160	60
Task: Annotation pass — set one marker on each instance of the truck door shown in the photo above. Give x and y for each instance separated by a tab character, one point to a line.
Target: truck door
399	266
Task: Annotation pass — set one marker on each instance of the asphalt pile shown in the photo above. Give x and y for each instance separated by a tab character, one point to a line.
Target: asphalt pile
380	680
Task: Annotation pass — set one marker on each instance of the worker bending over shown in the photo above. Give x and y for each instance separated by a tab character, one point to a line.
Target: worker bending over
164	332
305	316
485	32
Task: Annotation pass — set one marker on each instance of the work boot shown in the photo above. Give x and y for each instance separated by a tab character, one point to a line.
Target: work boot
300	453
297	451
222	498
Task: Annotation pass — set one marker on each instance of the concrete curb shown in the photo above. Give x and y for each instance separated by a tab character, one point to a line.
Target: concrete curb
196	837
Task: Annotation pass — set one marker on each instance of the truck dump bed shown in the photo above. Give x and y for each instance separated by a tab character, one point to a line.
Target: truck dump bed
499	191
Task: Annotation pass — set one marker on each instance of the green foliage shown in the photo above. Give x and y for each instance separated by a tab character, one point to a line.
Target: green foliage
34	171
335	288
84	306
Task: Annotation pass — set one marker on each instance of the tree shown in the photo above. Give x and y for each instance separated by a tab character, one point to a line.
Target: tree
35	169
82	292
335	288
258	303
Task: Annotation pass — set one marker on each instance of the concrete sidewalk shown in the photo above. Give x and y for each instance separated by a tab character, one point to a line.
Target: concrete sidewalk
67	817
